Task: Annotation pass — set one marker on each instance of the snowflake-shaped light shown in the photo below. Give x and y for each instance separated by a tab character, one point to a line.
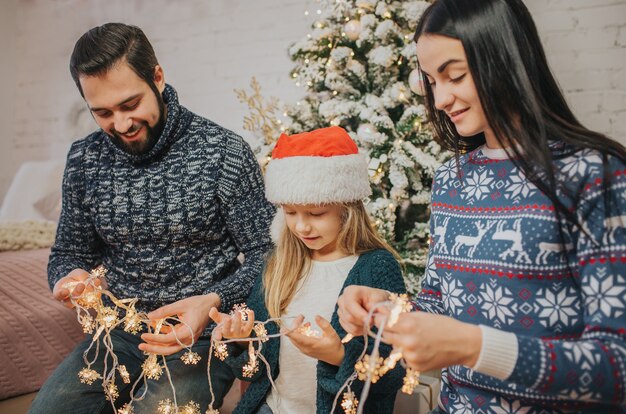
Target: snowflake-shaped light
88	376
261	332
411	380
243	311
369	367
191	408
111	390
220	350
190	358
132	322
349	403
124	374
107	317
166	407
151	367
126	409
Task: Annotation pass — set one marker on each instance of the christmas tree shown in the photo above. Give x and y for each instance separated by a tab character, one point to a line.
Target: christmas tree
359	69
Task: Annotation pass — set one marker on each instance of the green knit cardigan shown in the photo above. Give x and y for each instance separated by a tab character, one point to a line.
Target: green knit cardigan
376	268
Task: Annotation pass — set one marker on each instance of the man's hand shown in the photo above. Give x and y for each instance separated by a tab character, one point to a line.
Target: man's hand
431	341
354	305
62	294
327	348
232	326
193	313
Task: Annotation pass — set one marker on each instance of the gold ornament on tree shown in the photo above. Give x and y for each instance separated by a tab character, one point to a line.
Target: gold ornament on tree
352	29
263	120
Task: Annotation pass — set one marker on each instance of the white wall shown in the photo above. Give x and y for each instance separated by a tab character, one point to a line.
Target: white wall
210	47
585	41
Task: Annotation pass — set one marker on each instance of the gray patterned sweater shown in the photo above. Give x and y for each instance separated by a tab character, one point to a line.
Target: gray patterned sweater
170	223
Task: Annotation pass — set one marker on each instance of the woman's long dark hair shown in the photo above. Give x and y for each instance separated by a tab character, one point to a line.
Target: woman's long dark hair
519	95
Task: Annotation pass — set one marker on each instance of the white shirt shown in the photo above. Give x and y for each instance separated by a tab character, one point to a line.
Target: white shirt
316	295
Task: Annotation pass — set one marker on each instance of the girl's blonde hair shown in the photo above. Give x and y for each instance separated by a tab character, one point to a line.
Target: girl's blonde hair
290	260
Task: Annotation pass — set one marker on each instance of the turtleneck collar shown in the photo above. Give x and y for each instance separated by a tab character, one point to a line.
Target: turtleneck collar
176	122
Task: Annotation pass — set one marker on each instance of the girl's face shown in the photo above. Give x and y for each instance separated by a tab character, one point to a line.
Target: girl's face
443	61
317	226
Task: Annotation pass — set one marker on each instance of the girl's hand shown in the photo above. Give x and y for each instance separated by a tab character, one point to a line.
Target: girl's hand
231	326
431	341
327	347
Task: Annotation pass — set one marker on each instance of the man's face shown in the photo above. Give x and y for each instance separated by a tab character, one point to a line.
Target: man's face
125	107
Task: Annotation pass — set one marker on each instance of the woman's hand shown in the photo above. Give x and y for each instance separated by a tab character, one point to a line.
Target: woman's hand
354	305
429	341
327	347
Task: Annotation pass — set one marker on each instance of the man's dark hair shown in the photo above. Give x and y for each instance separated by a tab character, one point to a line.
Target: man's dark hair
98	50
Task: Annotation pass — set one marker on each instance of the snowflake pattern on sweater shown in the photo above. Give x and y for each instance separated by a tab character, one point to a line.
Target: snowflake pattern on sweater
168	224
497	260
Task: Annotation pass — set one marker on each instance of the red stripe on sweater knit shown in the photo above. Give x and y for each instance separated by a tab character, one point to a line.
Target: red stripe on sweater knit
587	260
502	272
507	209
599	181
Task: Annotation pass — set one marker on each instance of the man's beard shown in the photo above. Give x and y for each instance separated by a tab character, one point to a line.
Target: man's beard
142	146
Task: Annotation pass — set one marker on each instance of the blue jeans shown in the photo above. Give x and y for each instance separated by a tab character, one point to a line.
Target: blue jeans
264	409
64	393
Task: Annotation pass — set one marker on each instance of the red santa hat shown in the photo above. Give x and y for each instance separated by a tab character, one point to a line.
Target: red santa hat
318	167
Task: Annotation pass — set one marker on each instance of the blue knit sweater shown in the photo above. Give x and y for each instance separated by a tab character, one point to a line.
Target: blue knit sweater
170	223
377	268
557	312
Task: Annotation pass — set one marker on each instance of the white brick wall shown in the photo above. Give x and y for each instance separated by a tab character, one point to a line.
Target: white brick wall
208	48
8	26
585	41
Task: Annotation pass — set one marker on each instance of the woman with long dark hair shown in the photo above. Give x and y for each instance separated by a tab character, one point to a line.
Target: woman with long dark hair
524	301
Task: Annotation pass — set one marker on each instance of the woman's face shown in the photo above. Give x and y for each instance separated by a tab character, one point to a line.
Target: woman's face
443	61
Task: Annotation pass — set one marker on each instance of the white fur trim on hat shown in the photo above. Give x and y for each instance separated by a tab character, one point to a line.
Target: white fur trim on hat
317	180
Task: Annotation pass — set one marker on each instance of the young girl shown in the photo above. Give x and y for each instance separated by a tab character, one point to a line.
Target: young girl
524	302
324	242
